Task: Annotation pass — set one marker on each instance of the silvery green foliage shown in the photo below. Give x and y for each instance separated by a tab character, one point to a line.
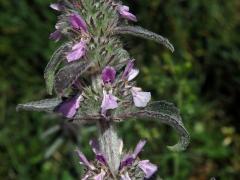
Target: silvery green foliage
55	61
46	105
80	81
144	33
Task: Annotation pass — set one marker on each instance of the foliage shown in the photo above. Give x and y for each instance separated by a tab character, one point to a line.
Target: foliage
203	75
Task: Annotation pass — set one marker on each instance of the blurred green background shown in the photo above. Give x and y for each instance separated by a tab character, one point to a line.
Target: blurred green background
202	78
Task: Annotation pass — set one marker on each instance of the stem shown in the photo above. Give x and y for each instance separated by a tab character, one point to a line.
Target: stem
110	145
176	165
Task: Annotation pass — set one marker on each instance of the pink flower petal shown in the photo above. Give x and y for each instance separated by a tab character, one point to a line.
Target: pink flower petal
139	148
128	159
109	102
96	149
78	51
140	98
124	12
78	22
148	168
69	107
132	74
83	160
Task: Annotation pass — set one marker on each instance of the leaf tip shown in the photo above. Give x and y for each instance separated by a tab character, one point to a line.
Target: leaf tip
18	108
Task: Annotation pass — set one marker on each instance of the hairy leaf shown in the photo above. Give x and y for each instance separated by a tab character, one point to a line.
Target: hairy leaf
52	66
144	33
166	113
68	74
47	105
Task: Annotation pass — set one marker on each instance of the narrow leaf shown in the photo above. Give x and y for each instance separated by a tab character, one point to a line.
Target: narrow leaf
47	105
144	33
68	74
50	131
52	66
53	148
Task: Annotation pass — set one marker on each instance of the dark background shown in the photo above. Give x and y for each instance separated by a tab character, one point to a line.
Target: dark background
202	78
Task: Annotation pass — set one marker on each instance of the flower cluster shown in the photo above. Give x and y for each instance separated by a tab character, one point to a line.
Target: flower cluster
109	101
116	88
77	23
139	97
128	167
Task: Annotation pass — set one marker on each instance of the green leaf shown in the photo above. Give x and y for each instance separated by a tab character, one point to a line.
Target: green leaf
68	74
46	105
55	61
53	148
144	33
163	112
50	131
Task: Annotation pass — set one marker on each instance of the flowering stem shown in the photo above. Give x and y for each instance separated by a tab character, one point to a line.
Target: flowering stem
110	145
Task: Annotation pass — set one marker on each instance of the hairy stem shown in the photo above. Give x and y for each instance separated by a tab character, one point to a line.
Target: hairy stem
110	144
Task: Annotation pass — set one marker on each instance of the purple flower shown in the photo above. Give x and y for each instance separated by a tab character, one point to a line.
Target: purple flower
125	176
138	148
69	107
78	22
124	12
147	167
126	161
140	98
108	75
83	160
130	158
57	6
78	51
96	149
130	73
56	35
133	73
109	102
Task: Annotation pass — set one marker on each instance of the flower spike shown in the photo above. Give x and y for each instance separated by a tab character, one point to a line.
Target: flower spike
92	76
